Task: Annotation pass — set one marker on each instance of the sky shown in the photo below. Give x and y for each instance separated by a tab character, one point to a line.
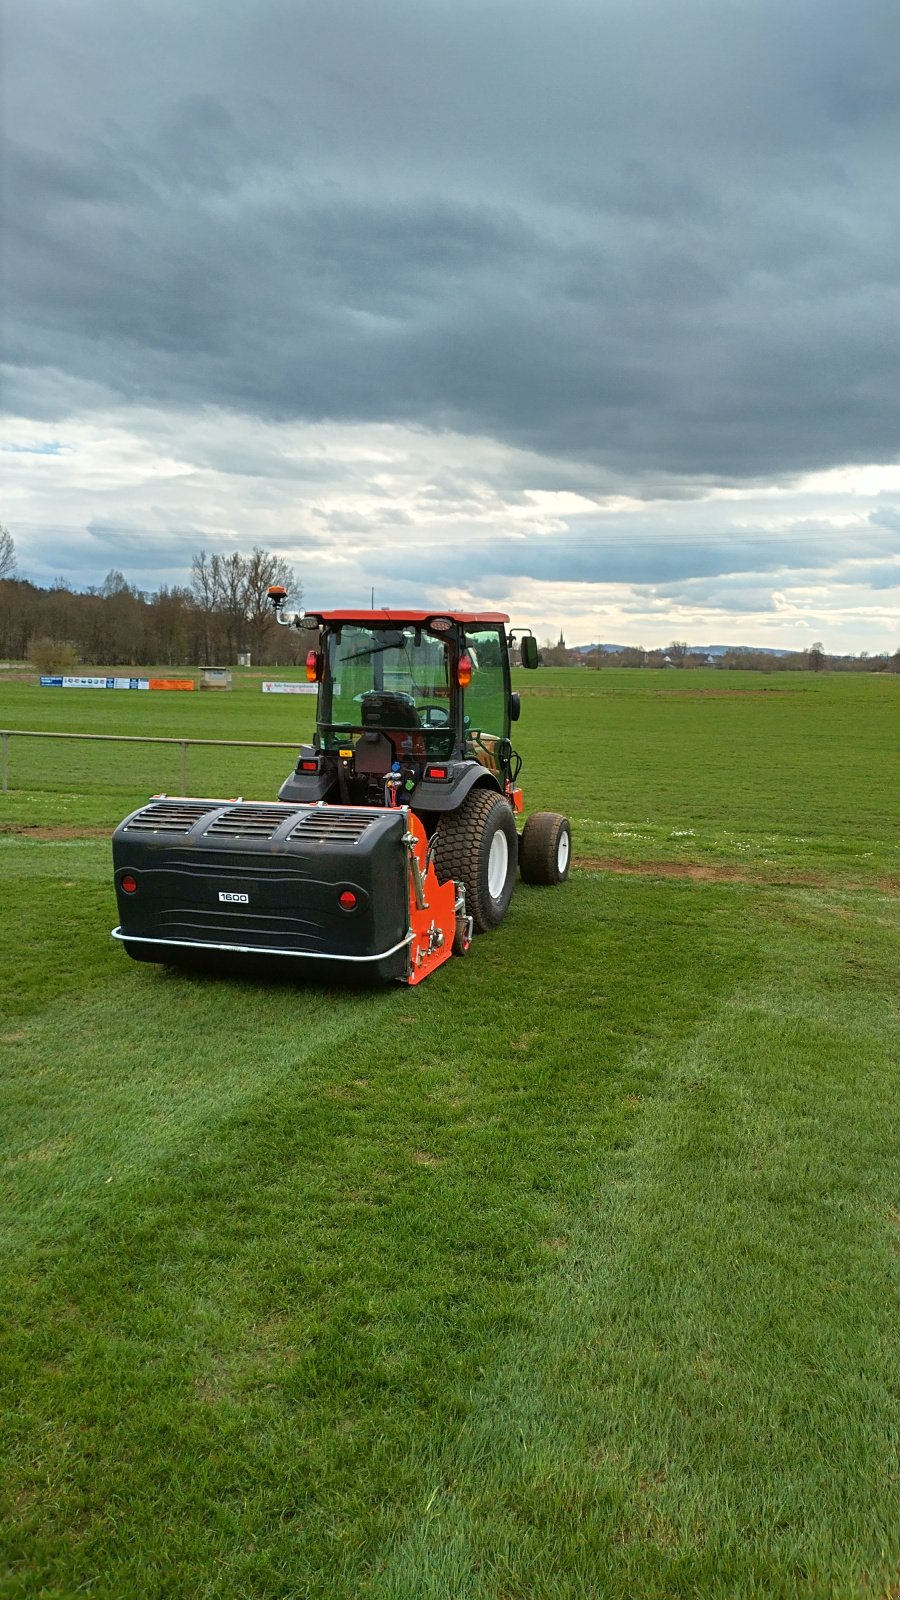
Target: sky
587	311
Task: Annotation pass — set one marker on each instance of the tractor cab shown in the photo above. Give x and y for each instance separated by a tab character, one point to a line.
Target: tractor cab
413	708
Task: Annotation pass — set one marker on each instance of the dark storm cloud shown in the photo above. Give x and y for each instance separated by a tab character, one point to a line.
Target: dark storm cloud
655	238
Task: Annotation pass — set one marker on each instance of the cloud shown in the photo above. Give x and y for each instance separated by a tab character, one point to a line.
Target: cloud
545	229
590	309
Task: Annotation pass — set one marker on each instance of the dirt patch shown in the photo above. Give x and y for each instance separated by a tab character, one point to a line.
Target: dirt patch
723	873
727	694
27	830
666	869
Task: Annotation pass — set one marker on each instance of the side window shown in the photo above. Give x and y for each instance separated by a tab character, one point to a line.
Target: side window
486	696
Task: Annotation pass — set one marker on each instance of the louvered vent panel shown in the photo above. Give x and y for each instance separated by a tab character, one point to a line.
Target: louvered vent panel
248	822
169	816
331	823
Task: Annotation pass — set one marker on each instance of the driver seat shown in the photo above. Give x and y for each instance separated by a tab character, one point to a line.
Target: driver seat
382	710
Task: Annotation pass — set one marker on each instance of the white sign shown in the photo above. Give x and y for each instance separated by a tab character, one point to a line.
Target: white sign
289	688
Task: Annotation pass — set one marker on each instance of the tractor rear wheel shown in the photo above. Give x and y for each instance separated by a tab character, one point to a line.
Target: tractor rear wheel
545	848
477	844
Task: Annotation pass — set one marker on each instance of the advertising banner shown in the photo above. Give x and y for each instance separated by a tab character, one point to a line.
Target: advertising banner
95	683
116	683
289	688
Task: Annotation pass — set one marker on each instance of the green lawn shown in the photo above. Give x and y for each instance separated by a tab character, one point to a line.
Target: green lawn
571	1273
783	776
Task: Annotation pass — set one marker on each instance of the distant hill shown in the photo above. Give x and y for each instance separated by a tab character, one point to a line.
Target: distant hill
694	649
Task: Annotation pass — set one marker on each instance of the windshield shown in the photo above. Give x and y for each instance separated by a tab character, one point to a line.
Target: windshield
393	679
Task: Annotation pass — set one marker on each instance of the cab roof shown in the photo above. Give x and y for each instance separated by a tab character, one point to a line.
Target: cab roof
373	618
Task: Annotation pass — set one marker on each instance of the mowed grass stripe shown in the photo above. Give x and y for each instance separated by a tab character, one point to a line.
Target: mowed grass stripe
130	1095
704	1400
243	1348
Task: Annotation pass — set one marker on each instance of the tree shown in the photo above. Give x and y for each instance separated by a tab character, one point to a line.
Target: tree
52	655
262	570
815	656
677	652
208	586
7	553
231	595
234	580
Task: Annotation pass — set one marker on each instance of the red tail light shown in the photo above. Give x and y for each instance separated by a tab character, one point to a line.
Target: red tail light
347	900
436	774
129	883
312	667
464	671
309	766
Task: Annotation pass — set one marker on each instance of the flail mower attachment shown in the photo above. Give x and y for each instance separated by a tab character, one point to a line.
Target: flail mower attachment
275	884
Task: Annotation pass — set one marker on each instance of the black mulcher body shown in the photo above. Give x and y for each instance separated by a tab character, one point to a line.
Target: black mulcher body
394	838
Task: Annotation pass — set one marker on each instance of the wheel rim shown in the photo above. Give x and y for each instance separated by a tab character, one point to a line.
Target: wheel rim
498	864
562	851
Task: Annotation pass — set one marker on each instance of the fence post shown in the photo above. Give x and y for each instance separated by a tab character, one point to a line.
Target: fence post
4	759
184	749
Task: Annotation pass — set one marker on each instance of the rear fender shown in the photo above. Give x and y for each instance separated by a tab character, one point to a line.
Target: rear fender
440	797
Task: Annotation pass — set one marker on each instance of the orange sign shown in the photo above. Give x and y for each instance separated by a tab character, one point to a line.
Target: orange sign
171	683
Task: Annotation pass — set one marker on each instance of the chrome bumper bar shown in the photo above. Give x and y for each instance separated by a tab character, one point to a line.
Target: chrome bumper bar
259	949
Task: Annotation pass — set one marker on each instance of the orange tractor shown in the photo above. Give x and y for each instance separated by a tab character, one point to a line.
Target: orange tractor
394	838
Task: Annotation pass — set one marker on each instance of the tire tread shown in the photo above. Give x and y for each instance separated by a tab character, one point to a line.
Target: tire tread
457	849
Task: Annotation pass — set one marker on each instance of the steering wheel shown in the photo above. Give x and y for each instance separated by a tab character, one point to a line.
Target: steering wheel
434	715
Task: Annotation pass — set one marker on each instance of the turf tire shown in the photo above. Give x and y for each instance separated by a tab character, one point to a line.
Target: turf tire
462	851
545	848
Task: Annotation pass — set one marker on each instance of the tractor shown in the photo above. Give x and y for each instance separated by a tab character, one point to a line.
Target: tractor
394	838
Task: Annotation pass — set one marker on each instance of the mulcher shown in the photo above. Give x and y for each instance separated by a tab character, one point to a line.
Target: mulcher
393	840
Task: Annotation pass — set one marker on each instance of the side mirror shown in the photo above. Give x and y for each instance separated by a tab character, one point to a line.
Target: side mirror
515	707
529	651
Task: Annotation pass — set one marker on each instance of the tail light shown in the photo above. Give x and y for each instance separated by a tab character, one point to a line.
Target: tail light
129	883
313	667
347	900
309	766
464	671
436	774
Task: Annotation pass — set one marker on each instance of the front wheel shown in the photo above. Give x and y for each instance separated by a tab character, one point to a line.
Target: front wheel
477	845
545	848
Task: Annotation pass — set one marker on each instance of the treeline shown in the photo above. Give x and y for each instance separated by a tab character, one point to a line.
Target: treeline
220	616
814	659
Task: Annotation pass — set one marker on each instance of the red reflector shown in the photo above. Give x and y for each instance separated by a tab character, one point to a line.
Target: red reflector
129	884
309	766
348	900
436	772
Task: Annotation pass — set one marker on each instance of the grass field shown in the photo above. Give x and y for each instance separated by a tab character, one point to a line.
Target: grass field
572	1273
